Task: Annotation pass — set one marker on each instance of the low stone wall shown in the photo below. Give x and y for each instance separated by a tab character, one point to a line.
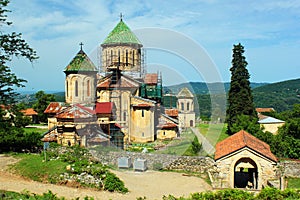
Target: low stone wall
290	168
171	162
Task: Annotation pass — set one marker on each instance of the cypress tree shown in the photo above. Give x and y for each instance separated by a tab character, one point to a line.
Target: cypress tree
240	99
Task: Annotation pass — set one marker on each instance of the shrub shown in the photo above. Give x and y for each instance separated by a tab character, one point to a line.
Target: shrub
113	183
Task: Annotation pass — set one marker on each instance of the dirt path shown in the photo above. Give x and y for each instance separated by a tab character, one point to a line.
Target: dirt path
151	184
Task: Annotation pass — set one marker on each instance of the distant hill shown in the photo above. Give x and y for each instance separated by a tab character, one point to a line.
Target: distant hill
281	96
29	97
203	88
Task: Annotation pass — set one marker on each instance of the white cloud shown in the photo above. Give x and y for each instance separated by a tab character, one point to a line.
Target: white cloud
55	28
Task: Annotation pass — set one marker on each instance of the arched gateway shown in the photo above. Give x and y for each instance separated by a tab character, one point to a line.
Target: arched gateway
245	174
243	161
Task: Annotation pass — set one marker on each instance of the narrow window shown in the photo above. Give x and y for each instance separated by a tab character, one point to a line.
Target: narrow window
188	106
143	135
111	56
182	106
119	57
88	85
143	113
124	116
67	89
133	58
126	57
76	88
106	59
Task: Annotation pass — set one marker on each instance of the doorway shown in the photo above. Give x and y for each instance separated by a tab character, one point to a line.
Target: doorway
245	174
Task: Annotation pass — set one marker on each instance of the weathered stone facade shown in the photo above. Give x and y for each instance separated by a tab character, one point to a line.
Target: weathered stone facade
227	168
198	164
289	168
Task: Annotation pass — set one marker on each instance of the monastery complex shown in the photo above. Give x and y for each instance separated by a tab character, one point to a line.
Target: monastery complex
116	103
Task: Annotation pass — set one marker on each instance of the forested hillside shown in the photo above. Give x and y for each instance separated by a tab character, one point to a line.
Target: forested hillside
281	96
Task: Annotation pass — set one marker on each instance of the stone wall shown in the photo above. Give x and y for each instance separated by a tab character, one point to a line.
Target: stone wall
290	168
171	162
218	172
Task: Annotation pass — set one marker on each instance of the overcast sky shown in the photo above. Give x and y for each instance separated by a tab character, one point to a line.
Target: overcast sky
269	30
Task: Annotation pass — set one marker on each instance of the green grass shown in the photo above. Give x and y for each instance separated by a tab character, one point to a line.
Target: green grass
38	130
213	132
33	166
294	183
179	146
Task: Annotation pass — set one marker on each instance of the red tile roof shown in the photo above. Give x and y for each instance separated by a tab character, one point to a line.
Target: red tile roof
104	107
261	110
75	112
53	108
144	105
240	140
167	125
151	79
29	112
171	112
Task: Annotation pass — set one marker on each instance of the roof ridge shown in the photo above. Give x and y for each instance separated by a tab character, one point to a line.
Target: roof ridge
121	34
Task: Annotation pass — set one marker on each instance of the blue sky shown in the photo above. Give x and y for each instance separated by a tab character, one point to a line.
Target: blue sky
269	30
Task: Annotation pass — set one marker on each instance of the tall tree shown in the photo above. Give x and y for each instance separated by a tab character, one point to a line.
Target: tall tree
41	104
240	99
11	44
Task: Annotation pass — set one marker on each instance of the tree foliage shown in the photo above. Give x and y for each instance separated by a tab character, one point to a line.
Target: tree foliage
240	100
11	44
286	144
41	104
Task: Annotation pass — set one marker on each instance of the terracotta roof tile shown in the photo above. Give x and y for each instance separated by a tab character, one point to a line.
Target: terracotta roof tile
151	79
171	112
29	112
240	140
75	112
261	110
53	108
144	105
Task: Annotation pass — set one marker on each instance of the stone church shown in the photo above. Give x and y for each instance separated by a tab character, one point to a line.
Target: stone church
117	103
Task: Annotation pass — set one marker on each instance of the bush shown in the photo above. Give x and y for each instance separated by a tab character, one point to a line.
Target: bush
113	183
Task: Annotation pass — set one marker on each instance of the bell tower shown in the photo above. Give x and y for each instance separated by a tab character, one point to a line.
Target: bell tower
80	83
122	50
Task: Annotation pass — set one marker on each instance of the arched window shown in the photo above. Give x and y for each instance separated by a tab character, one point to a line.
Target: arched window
67	88
88	89
126	57
124	116
182	106
111	56
133	57
76	88
119	57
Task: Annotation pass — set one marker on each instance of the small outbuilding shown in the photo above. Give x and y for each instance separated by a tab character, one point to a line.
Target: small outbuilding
243	161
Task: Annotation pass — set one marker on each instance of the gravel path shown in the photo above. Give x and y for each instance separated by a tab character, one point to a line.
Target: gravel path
151	184
206	145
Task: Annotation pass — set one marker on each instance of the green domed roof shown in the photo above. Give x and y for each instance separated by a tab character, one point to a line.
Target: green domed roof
81	63
121	34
